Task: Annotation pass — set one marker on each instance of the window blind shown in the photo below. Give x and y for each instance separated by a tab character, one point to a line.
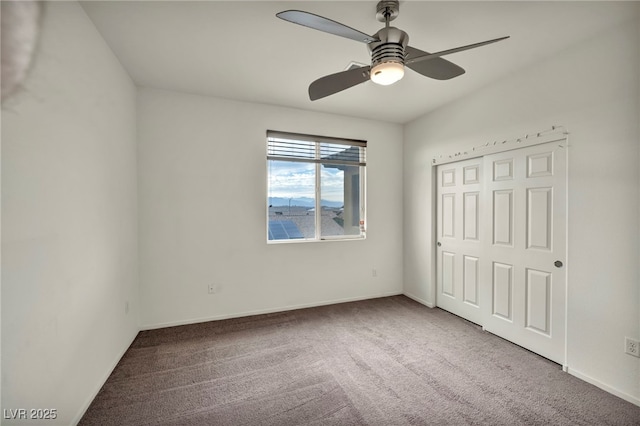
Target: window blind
315	149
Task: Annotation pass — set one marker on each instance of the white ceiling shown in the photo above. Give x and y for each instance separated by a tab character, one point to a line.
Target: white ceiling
240	50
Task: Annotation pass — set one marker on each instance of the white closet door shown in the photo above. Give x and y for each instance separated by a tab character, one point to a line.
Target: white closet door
502	245
525	195
460	237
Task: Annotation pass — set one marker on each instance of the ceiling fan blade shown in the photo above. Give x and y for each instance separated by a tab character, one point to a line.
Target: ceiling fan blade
431	56
334	83
324	24
438	68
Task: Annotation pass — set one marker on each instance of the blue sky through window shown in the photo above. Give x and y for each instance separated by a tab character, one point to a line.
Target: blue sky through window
288	179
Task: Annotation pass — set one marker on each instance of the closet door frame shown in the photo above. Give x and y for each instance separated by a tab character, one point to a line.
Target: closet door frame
561	140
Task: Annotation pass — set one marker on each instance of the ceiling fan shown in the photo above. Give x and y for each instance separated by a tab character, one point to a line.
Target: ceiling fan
389	50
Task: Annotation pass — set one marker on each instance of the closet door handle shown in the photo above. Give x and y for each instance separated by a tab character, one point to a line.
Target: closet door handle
439	244
558	264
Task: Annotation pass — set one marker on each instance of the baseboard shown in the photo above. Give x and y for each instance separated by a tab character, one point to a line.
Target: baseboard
419	300
101	382
265	311
603	386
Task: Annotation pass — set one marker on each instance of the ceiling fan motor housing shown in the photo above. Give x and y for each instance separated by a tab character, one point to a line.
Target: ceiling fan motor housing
390	48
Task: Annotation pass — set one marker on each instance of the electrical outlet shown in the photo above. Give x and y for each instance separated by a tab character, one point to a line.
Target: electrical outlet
632	346
374	272
214	288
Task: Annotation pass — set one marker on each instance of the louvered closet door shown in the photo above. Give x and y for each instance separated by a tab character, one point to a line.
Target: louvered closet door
502	244
525	194
460	237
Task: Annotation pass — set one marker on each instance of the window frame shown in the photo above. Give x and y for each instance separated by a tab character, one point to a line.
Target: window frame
318	162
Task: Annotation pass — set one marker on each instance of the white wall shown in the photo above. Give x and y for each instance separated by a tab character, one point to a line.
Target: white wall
69	230
592	89
202	179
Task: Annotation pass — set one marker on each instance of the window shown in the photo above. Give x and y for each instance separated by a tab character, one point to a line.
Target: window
315	187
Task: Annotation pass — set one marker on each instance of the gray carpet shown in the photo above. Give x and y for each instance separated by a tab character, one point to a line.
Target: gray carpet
388	361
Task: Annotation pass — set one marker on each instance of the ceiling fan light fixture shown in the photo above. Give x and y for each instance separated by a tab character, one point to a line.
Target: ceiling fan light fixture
387	73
